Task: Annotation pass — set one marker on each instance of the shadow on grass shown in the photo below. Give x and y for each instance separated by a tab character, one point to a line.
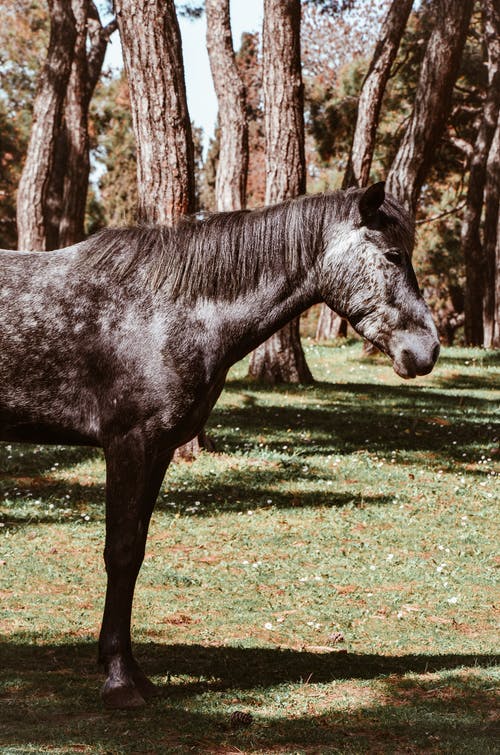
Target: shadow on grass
490	358
351	416
224	667
49	698
31	459
223	499
364	415
469	382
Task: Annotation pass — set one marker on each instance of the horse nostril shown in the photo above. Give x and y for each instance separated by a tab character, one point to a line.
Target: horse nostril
435	353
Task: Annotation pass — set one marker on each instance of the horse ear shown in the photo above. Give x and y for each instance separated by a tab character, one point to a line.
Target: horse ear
371	200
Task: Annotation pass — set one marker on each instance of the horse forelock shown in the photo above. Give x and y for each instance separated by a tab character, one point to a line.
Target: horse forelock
223	255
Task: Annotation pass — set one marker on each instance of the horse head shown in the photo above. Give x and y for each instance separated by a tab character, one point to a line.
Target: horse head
367	277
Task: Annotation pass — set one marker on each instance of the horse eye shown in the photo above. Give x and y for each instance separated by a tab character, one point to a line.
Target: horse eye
393	256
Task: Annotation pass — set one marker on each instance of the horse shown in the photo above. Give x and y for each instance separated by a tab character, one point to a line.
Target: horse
124	340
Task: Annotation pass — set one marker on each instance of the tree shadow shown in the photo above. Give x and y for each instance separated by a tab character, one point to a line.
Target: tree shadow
224	667
376	418
488	358
469	383
37	460
56	679
367	416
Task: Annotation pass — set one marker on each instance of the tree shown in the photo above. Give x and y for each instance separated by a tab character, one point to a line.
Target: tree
491	245
249	63
152	55
231	176
331	39
370	101
437	76
280	358
90	48
471	242
47	113
63	174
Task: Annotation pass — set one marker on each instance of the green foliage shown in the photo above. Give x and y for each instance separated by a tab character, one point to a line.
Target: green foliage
11	148
23	41
114	136
330	570
331	112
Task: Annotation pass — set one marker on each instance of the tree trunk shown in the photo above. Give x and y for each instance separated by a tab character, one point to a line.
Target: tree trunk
330	325
85	73
280	358
76	177
472	249
437	76
54	197
370	101
281	361
231	178
491	245
47	112
152	54
496	330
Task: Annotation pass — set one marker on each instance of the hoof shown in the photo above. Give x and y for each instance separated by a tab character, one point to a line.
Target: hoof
121	696
146	688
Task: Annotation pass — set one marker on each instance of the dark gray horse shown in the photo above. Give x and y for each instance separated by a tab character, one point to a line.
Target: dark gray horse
124	340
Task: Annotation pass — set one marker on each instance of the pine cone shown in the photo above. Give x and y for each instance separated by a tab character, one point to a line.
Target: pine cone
241	718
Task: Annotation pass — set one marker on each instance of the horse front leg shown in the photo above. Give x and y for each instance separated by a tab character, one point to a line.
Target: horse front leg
134	474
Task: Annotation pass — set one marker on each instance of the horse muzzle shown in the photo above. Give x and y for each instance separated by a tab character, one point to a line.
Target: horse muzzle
415	358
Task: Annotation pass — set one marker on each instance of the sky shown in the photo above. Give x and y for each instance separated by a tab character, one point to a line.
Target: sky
246	15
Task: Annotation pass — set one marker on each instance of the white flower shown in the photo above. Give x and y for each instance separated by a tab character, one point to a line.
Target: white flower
268	625
453	600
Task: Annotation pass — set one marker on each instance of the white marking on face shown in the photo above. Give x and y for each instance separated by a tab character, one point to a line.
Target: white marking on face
345	238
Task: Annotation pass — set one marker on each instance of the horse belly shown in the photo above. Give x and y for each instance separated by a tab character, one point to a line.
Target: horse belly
43	398
17	429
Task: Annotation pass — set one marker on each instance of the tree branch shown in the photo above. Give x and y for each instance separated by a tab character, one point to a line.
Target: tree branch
442	214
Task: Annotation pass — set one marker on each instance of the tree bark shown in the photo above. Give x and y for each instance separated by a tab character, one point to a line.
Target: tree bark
232	169
491	245
152	54
471	244
330	325
281	358
85	72
496	330
76	177
359	164
370	101
437	76
47	112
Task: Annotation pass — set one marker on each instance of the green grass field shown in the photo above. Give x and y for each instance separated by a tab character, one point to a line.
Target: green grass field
329	571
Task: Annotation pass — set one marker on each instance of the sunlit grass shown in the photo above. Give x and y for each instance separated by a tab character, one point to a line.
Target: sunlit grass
330	569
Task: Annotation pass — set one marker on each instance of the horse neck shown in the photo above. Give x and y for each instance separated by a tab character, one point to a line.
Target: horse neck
246	322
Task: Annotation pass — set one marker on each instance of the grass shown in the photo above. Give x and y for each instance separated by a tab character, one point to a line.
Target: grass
330	571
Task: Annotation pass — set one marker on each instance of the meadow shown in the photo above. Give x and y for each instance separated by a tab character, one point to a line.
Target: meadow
323	583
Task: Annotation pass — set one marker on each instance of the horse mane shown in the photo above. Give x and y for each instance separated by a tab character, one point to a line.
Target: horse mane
225	254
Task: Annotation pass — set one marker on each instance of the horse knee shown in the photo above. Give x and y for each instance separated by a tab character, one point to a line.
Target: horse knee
124	553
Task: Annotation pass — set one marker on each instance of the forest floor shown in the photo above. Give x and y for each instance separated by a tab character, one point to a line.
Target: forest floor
329	571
